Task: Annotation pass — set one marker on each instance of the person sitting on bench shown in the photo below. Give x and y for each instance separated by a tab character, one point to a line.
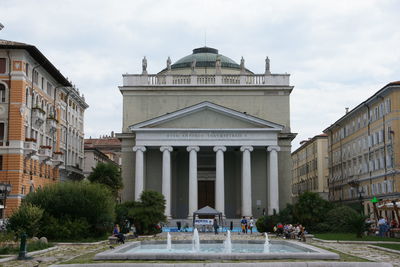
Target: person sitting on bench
117	233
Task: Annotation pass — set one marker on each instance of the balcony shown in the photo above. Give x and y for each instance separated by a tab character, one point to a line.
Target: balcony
30	146
38	116
51	125
44	153
58	158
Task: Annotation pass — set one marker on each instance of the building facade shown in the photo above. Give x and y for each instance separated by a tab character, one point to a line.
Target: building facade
364	152
36	113
310	167
104	149
206	131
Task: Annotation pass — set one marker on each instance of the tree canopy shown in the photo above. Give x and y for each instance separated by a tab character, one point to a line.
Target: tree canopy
107	174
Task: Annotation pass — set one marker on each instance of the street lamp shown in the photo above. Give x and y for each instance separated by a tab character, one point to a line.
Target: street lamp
5	190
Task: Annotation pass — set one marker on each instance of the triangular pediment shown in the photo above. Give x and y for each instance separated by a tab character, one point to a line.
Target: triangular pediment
206	115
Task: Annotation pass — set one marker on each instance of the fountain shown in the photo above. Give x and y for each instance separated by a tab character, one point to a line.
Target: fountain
195	241
228	243
229	249
266	244
169	244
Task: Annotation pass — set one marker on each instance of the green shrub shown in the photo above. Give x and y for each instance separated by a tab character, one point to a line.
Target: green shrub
357	224
59	229
339	218
267	223
322	228
26	220
145	214
74	209
310	210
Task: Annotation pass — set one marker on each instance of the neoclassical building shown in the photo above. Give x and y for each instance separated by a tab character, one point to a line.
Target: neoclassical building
208	131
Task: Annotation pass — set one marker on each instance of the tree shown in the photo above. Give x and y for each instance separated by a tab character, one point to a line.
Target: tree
310	209
26	220
145	214
107	174
88	207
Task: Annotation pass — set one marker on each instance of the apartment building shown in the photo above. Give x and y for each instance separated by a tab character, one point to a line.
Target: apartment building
106	148
310	167
41	122
363	148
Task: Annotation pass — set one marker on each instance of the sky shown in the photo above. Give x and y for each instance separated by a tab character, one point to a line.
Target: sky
338	52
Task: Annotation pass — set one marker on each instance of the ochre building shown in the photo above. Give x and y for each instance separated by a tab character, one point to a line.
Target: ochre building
41	122
310	167
363	148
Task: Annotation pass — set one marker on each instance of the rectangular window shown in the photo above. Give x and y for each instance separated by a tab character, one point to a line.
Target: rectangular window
2	131
49	88
2	65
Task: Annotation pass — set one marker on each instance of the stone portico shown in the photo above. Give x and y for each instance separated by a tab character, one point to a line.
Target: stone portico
221	140
156	134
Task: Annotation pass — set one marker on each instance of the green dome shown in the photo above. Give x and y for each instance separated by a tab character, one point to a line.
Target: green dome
205	58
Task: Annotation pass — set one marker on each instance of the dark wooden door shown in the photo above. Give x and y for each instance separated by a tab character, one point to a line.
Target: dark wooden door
206	194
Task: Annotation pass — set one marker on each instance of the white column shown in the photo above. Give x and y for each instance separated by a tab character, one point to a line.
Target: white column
246	181
219	180
193	205
166	178
273	183
139	170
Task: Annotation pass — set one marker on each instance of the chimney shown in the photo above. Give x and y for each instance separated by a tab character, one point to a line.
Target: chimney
112	134
347	110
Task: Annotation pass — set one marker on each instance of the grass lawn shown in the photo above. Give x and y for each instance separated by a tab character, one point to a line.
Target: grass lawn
352	237
391	246
32	246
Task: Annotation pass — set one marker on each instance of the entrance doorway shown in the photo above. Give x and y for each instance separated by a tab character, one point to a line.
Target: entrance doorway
206	194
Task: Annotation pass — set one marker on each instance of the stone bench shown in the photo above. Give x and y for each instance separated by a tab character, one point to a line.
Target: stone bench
113	240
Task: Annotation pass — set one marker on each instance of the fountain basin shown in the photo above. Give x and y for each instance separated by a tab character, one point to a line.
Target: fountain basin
214	250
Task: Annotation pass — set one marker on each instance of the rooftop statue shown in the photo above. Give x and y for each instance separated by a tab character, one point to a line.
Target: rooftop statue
168	63
144	65
193	66
242	64
218	64
267	70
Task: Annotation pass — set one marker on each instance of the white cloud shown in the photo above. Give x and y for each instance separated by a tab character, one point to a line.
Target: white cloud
338	52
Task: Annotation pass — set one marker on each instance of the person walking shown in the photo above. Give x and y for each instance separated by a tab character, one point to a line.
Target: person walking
382	224
243	223
251	225
215	225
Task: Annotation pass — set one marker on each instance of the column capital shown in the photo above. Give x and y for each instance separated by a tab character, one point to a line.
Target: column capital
195	148
244	148
141	148
166	148
273	148
217	148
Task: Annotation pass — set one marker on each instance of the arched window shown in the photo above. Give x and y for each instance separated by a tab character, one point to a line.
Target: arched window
2	93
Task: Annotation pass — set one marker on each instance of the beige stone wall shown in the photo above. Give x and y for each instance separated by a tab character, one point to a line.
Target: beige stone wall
140	105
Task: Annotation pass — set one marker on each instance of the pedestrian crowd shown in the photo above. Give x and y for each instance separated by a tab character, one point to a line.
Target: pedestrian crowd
289	231
247	225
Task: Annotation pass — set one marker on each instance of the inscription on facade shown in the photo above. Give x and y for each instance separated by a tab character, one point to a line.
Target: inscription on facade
205	135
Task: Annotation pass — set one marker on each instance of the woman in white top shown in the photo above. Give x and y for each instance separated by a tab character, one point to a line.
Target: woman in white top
251	224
